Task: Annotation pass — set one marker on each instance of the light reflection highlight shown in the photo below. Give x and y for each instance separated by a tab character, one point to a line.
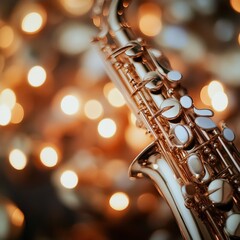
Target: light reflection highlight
150	22
205	96
119	201
16	215
93	109
213	95
115	98
107	128
17	114
8	98
76	7
5	115
73	38
235	4
17	159
214	87
37	76
70	104
7	36
136	137
220	101
69	179
32	22
49	156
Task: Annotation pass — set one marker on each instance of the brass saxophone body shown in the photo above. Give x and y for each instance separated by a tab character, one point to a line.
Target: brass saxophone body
193	163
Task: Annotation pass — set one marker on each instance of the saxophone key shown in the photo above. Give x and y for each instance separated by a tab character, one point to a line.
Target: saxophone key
220	193
232	225
203	112
161	60
153	81
205	123
181	135
228	134
174	76
135	51
188	190
195	166
186	101
170	109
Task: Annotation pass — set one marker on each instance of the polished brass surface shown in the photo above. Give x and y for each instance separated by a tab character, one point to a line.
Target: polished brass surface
193	163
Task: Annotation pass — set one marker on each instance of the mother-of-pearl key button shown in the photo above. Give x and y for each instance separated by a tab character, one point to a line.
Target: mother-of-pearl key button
174	76
170	108
182	135
203	112
186	101
232	225
220	191
195	166
228	134
205	123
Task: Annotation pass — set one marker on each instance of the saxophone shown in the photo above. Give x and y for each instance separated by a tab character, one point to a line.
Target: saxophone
193	162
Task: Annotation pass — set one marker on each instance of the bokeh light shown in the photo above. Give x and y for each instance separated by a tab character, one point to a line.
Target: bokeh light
49	156
69	179
7	36
205	96
107	128
214	87
17	159
8	97
119	201
136	137
15	214
147	202
12	219
168	37
17	114
76	7
33	21
37	76
107	88
213	95
132	119
70	104
73	38
115	98
220	101
93	109
5	115
235	5
224	30
150	19
179	11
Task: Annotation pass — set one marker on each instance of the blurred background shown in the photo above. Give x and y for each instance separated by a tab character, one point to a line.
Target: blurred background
66	134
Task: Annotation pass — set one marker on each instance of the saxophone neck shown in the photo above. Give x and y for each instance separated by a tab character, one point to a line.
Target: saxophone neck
116	17
111	15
